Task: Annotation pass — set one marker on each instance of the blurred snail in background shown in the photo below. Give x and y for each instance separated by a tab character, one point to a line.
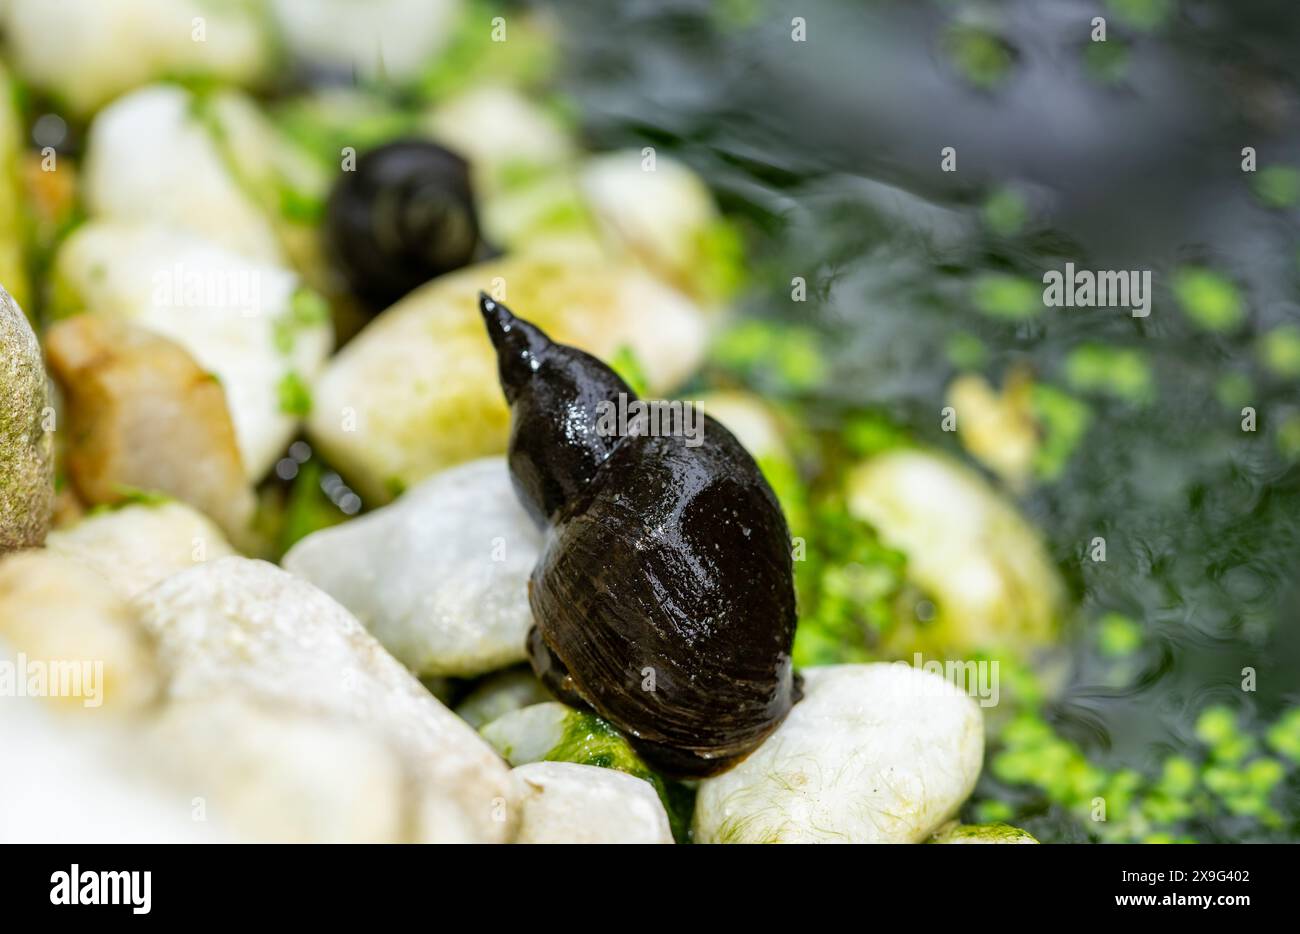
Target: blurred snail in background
664	595
404	216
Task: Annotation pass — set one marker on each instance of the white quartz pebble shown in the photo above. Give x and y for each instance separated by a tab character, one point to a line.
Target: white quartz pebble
880	753
562	802
440	577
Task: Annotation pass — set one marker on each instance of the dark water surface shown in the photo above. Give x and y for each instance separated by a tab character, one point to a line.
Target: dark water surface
1128	158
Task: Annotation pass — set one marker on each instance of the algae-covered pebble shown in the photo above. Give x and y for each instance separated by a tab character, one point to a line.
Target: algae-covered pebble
440	577
880	753
561	802
13	217
954	832
26	447
529	734
417	390
993	580
553	732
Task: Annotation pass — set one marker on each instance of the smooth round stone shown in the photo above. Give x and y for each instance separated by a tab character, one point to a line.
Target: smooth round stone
242	628
134	547
880	753
240	319
26	447
440	577
994	583
954	832
562	802
417	391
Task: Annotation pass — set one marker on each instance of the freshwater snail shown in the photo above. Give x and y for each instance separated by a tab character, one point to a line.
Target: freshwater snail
404	216
663	598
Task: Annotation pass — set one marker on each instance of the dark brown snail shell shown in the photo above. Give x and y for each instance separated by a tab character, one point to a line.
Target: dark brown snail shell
665	565
403	216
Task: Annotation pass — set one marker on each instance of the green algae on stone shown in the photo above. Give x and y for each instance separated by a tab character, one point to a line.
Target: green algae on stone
554	732
13	259
26	448
1277	186
996	832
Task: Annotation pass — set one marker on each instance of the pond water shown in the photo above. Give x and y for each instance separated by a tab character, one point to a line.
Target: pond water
1122	155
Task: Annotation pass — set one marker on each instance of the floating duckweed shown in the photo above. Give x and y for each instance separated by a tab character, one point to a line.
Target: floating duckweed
1283	737
1141	14
1277	186
1143	808
1107	61
965	351
1007	297
1233	390
1245	791
1116	371
1117	635
1064	420
982	57
1280	351
1121	791
1005	212
1208	298
1177	777
1217	728
1288	436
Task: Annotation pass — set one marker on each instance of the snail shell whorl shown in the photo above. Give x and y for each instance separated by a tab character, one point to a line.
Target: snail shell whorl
659	557
404	216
